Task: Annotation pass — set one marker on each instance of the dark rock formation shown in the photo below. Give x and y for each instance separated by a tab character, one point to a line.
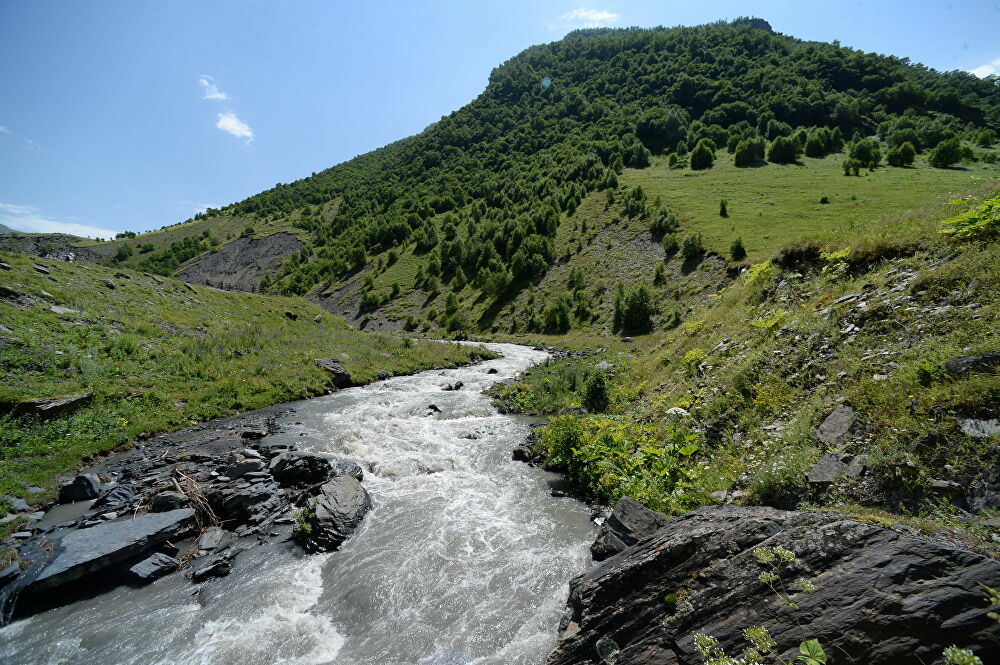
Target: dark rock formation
241	264
341	378
297	469
980	363
629	523
832	467
166	501
86	551
83	487
881	597
50	407
837	426
335	514
154	567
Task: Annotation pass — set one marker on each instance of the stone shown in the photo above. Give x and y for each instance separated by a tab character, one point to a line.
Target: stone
454	386
980	363
243	467
49	407
59	309
255	433
604	366
433	408
214	538
382	375
16	503
217	568
832	467
340	377
881	597
83	487
249	503
108	283
522	453
318	318
492	370
335	514
629	523
40	268
980	428
837	426
118	497
346	467
292	316
6	266
299	468
83	552
154	567
946	487
167	501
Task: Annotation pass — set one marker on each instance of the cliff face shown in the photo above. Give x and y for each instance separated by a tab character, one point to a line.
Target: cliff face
881	596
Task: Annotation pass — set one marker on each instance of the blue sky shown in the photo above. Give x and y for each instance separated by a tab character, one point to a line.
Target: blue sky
122	115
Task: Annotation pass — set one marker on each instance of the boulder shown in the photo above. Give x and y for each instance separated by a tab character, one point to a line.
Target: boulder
154	567
86	551
16	503
346	467
298	468
980	428
834	430
881	597
214	538
83	487
492	370
249	503
980	363
166	501
341	378
334	515
629	523
522	453
382	374
242	467
832	467
49	407
118	497
219	567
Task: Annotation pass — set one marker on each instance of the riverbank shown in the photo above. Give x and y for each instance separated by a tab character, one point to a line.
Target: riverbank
124	355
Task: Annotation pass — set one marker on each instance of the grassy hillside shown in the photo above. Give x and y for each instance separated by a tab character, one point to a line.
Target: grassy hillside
763	362
158	355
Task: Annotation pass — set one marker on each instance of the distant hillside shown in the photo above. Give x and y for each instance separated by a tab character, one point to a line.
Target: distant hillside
449	229
5	229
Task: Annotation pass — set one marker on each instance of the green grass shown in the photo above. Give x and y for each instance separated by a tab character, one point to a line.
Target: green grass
159	356
775	205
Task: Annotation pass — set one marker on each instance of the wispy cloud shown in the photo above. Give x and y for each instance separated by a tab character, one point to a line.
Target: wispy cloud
4	130
230	122
585	17
210	89
30	220
985	70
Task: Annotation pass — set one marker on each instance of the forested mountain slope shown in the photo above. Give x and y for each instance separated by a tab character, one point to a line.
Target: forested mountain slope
484	203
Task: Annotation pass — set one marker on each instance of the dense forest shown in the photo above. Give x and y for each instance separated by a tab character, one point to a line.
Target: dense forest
479	194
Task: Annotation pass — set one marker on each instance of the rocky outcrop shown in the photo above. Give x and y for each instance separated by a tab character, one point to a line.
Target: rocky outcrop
240	265
49	407
980	363
881	597
836	427
83	552
83	487
334	515
833	467
629	523
339	377
300	469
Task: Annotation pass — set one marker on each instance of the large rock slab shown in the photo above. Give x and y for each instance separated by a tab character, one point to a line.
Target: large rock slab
298	468
335	514
629	523
340	377
881	597
980	363
86	551
834	466
841	422
50	407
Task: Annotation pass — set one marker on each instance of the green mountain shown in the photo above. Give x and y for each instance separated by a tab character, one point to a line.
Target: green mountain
522	182
5	229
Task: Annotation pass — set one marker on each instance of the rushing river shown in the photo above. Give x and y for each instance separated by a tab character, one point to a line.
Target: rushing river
464	560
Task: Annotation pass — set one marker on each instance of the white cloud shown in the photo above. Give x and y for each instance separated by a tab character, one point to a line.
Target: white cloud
4	130
985	70
230	122
210	89
30	220
588	18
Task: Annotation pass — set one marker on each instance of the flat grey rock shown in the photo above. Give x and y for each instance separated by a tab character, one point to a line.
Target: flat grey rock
837	426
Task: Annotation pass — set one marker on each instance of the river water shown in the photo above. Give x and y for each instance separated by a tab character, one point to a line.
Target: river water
464	560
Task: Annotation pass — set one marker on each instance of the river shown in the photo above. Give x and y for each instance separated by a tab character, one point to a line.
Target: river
464	560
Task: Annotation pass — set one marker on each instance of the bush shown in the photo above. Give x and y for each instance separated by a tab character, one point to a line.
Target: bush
691	246
824	200
986	138
703	156
723	209
749	152
595	393
633	307
555	318
665	222
866	152
737	251
947	153
815	146
670	244
783	150
902	156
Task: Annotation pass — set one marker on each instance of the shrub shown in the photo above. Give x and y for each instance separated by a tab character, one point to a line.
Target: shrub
749	152
736	250
691	247
902	156
815	146
555	318
703	156
985	138
670	244
783	150
824	200
633	307
947	153
723	209
866	152
595	393
665	221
